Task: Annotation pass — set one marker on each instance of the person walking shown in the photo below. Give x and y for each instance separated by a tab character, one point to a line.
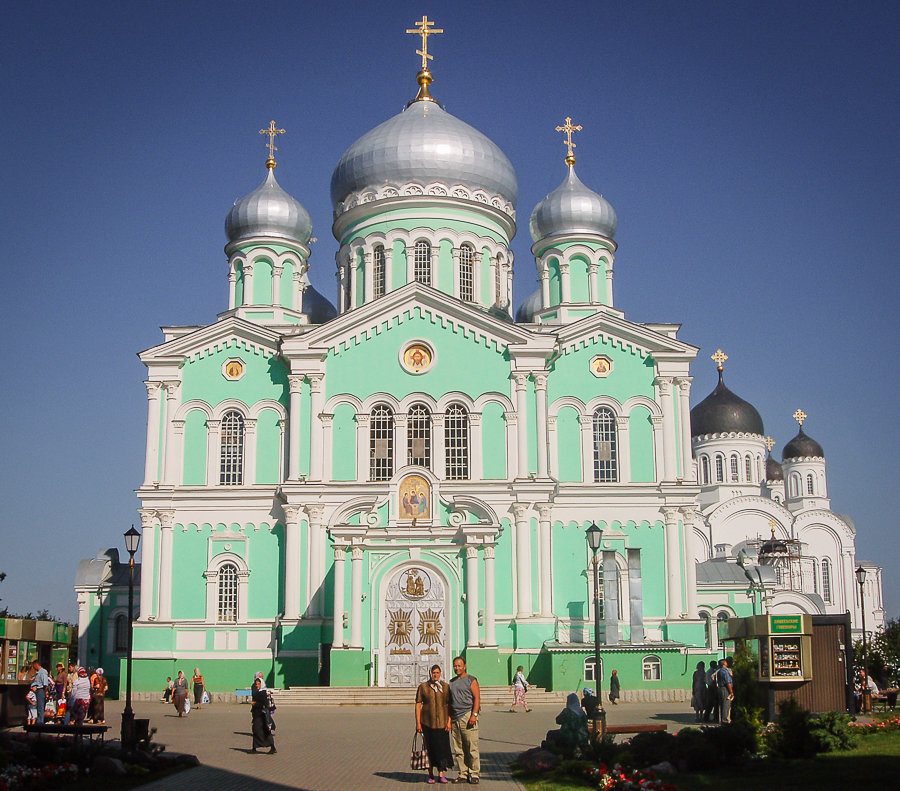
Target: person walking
180	693
615	691
270	701
434	723
698	691
711	712
520	689
40	683
81	696
99	686
199	686
725	685
465	703
259	712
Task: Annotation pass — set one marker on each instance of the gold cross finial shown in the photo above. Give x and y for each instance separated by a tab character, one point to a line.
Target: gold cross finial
772	525
770	443
424	30
719	357
800	416
272	131
568	128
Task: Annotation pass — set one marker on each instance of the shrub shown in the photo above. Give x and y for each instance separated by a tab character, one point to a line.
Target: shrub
831	732
692	750
651	748
791	737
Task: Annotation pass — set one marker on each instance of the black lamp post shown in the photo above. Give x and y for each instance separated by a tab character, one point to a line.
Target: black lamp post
132	542
866	695
594	535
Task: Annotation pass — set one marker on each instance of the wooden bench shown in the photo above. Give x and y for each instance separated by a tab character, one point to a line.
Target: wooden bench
613	730
78	731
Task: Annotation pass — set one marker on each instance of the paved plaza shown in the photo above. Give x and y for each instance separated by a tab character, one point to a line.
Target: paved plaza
334	748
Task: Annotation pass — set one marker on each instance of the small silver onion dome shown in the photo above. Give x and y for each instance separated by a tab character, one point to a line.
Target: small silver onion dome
573	208
315	306
422	144
268	211
527	310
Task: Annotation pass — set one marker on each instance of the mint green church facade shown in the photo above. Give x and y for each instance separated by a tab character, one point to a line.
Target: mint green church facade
345	495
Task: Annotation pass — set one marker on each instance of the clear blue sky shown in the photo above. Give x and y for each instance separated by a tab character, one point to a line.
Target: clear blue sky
750	150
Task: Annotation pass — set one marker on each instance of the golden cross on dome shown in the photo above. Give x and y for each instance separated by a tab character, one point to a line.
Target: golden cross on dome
773	524
568	128
770	443
272	131
719	357
424	30
800	416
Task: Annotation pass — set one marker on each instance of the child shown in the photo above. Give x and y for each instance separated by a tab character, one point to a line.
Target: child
31	716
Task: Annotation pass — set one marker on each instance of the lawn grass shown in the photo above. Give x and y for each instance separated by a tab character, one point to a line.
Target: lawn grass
875	763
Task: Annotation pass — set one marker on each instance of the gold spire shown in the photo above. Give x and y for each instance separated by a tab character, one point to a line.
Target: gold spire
800	416
272	131
423	30
568	128
770	443
719	357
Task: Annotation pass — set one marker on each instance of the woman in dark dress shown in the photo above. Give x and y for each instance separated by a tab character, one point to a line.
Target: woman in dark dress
259	709
433	722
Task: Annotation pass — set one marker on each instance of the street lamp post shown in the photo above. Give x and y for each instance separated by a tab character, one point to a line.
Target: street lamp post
866	695
132	542
594	535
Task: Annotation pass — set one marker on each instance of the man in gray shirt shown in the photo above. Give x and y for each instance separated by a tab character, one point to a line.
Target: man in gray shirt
465	703
40	684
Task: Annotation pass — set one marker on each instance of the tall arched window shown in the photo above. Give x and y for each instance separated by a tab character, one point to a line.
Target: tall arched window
467	273
227	610
456	443
720	469
735	469
379	279
121	633
810	484
605	455
826	580
418	432
748	469
231	459
794	485
381	443
422	263
704	469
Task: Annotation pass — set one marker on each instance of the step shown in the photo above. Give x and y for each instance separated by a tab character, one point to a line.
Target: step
395	696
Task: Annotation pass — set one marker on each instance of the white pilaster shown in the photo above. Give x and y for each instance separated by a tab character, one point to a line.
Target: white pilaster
337	639
609	281
476	450
356	557
545	285
362	447
315	437
523	560
586	423
388	269
168	449
292	561
297	291
512	443
249	451
166	519
690	565
623	447
674	606
456	272
232	286
476	273
543	441
151	453
521	382
327	467
213	438
277	272
593	289
296	385
369	282
490	607
315	555
248	283
683	383
565	282
438	451
664	398
545	511
656	423
354	280
472	596
148	562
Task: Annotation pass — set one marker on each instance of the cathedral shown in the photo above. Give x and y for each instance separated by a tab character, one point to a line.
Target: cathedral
347	493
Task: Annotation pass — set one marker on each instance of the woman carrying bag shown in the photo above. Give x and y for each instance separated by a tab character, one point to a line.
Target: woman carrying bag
433	722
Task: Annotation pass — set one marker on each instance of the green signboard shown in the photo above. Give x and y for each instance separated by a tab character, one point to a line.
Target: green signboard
786	624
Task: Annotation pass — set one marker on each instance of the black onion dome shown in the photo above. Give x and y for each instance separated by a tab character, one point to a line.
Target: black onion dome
722	412
774	471
773	546
802	446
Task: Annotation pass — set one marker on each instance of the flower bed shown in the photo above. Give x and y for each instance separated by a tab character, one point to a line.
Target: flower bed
621	778
17	776
891	723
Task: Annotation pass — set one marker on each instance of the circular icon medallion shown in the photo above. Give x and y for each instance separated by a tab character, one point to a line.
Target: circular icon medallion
417	357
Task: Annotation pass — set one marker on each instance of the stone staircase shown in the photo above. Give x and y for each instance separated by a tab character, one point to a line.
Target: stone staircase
397	696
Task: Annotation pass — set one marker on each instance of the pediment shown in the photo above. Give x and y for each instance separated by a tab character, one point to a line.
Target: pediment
212	338
618	331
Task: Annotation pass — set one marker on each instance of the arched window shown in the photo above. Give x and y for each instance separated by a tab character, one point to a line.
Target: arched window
810	484
227	610
707	629
121	633
456	443
735	469
826	580
467	273
704	469
720	469
779	574
379	279
652	668
590	671
231	459
777	498
418	432
605	455
381	443
794	485
748	469
422	263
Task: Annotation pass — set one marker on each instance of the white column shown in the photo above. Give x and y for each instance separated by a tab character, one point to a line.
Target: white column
337	638
282	456
476	450
664	397
546	579
543	441
476	270
292	561
674	606
683	383
410	263
509	288
656	423
523	560
248	283
545	285
609	279
277	272
213	438
456	272
315	567
593	290
166	519
296	385
151	453
176	453
690	565
315	435
472	596
490	615
249	451
362	447
232	285
167	450
342	286
552	447
623	446
512	443
356	556
433	262
565	282
369	282
494	280
388	269
297	291
327	467
586	422
148	561
352	273
438	454
521	380
401	451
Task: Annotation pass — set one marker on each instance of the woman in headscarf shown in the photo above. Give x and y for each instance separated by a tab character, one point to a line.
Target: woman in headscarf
180	693
259	710
99	686
433	722
81	696
698	691
270	703
199	685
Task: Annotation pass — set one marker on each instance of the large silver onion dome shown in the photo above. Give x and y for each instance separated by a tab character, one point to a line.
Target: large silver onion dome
573	208
268	211
422	144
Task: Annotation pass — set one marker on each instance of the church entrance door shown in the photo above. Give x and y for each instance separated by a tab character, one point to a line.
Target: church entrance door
414	626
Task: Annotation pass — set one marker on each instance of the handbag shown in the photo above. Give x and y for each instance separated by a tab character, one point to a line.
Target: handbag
418	758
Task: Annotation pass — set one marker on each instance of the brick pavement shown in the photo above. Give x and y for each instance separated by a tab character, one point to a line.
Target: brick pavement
331	748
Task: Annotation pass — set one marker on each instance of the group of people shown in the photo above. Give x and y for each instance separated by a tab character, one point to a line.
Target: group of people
712	691
178	691
74	694
447	714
